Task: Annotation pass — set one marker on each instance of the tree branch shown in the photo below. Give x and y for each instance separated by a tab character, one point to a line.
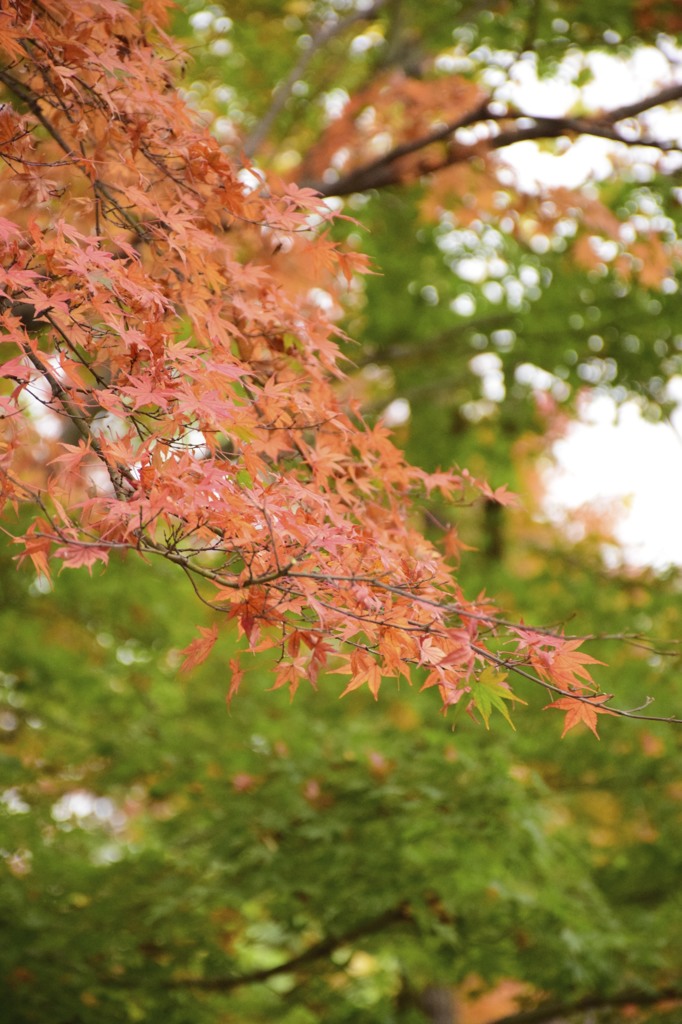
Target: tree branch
515	667
381	172
657	99
315	952
549	1011
101	188
323	35
384	171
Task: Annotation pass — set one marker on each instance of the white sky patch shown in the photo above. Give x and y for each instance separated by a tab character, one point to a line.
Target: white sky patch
396	412
586	158
488	366
250	178
463	305
321	298
334	103
616	83
537	97
624	462
37	397
633	463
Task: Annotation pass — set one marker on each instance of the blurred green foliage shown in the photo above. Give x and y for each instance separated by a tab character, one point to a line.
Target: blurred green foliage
157	848
163	858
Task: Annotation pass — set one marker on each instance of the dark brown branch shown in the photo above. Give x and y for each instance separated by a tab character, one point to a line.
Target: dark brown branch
550	1011
318	951
657	99
28	97
384	170
552	128
120	482
61	395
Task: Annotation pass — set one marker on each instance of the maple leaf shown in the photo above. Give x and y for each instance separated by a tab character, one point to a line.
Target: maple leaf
582	710
73	456
8	230
75	556
568	666
289	673
37	546
453	545
501	495
558	660
491	692
198	650
236	675
200	375
364	669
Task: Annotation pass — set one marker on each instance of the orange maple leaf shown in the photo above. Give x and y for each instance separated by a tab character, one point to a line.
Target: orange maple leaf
558	660
37	545
568	665
365	669
582	709
199	649
236	675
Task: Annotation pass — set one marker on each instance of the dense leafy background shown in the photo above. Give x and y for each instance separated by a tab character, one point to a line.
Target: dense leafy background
157	849
152	837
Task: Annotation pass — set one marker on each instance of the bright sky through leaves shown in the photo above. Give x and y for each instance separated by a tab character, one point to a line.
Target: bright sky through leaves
633	469
630	468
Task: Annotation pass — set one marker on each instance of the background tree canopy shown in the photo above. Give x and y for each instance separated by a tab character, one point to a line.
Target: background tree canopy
163	859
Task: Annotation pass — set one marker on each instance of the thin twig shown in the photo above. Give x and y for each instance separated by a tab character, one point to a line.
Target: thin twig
323	35
514	667
318	951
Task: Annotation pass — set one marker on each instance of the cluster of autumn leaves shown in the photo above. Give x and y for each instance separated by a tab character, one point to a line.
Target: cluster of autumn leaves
173	395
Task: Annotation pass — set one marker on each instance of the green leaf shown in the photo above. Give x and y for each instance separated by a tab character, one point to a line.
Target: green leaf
490	692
